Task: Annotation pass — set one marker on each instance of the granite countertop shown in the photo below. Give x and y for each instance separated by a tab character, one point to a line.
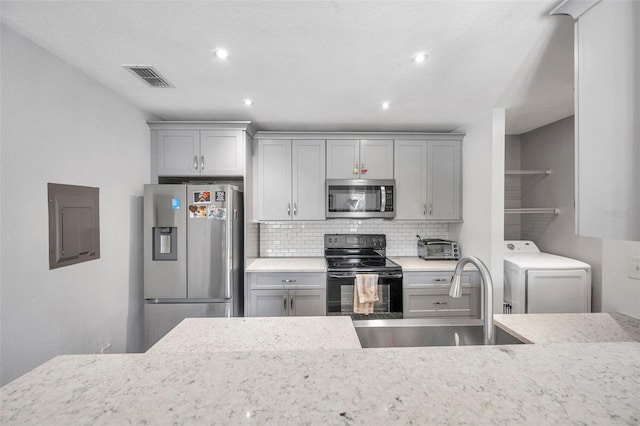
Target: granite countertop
593	383
287	264
565	328
416	264
318	264
259	334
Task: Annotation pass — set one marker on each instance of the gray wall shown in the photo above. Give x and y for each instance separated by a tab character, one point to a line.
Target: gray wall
512	188
552	147
481	233
60	126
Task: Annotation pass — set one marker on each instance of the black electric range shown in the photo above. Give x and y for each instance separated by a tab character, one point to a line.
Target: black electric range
351	254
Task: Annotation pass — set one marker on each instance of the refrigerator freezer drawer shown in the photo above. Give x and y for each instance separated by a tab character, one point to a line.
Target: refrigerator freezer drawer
161	318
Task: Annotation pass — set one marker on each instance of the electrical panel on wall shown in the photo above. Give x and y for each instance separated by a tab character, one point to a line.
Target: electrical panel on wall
74	225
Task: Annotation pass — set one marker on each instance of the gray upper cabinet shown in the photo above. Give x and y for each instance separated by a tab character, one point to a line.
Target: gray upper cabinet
411	179
291	180
178	152
221	153
444	180
274	180
308	180
428	178
343	159
360	159
189	150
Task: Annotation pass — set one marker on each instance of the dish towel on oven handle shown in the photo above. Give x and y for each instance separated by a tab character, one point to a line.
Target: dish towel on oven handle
365	293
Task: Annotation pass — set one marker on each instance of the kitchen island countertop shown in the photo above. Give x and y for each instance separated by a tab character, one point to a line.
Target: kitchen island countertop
197	335
287	264
570	328
592	383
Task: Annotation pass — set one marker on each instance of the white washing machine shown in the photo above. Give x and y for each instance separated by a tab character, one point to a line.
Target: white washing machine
536	282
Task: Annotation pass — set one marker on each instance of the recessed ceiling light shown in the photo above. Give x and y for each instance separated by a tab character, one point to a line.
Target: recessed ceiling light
386	105
248	102
221	53
419	57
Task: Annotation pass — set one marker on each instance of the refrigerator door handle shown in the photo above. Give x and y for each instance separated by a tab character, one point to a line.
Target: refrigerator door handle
229	258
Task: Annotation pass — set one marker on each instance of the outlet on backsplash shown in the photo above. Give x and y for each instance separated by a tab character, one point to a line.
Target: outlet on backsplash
634	267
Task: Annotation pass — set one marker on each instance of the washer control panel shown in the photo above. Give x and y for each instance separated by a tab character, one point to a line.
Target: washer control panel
523	246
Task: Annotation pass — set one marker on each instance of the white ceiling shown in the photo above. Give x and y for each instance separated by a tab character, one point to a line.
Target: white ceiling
320	65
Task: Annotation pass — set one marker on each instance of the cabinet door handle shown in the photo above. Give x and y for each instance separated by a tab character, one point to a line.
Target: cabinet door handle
295	209
202	162
424	209
430	209
288	281
441	280
289	209
291	298
284	303
439	303
195	162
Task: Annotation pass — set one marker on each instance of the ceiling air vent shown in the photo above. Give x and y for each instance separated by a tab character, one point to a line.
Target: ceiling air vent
148	75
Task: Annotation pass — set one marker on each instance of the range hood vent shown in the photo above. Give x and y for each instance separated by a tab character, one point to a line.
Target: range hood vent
148	75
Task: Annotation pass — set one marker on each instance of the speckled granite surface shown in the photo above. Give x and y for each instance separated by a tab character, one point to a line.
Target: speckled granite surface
565	328
259	334
415	264
596	383
421	265
287	264
318	264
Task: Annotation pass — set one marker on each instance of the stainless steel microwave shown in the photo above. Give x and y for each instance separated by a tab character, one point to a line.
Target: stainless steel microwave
361	198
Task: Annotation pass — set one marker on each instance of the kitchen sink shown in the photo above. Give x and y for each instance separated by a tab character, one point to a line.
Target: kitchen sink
426	332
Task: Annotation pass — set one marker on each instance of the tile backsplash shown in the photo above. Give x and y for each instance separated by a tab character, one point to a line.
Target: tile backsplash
306	239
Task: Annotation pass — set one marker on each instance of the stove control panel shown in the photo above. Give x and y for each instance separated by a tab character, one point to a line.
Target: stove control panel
374	241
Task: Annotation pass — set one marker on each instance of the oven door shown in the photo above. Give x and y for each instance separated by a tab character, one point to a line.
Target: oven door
360	198
340	288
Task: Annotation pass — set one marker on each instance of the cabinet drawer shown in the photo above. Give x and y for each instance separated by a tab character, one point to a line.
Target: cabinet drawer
279	280
436	302
431	279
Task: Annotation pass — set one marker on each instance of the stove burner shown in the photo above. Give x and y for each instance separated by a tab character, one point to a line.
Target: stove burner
343	264
379	262
358	263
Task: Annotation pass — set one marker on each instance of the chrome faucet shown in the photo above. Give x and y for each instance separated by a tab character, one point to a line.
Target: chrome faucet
456	291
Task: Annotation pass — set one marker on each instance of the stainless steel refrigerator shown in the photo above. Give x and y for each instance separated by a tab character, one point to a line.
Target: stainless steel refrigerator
193	257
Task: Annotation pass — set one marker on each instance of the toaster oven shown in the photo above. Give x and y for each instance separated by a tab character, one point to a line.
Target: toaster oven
434	249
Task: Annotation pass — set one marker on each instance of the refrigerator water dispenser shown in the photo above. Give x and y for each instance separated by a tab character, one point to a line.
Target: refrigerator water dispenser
165	243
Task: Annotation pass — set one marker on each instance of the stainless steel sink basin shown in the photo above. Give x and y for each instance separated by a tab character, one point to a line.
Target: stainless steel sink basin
425	332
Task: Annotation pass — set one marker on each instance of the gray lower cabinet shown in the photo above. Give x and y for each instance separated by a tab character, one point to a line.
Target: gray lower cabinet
426	295
286	294
282	303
